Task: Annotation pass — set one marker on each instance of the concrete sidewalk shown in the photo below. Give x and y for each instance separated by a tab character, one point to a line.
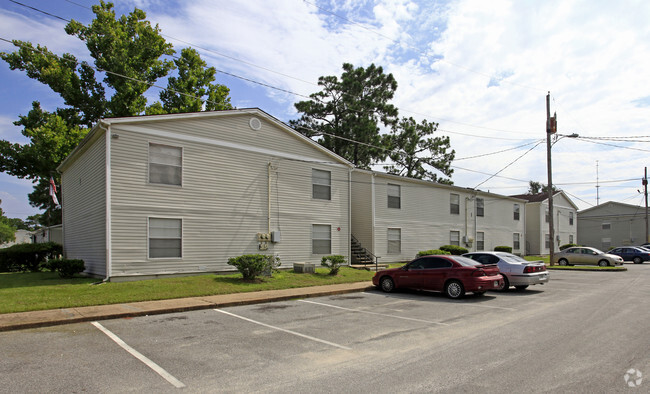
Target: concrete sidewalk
22	320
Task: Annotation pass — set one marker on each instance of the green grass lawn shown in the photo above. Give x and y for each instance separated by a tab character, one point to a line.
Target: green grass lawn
28	291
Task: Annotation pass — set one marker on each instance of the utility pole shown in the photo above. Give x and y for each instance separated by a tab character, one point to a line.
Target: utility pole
551	127
645	185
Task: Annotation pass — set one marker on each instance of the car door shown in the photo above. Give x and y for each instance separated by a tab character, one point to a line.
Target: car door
435	272
410	276
590	257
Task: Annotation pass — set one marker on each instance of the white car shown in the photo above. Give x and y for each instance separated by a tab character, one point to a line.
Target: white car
516	271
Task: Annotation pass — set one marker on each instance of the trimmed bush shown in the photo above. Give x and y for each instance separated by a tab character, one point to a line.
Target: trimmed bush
333	262
503	249
67	268
28	257
253	265
454	249
568	246
430	252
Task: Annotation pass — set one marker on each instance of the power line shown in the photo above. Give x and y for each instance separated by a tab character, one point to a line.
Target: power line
509	164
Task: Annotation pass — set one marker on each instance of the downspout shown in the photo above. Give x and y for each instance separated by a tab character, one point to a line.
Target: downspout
372	199
349	238
109	246
476	220
269	198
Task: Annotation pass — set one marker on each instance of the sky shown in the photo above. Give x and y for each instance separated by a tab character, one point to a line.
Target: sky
481	69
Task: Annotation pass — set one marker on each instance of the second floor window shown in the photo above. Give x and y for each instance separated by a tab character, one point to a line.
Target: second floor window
480	207
516	212
321	184
394	196
454	204
165	164
570	218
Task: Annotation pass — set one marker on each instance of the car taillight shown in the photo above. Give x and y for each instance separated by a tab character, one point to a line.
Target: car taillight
530	269
478	272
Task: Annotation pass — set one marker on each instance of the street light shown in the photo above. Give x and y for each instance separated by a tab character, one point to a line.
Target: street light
551	128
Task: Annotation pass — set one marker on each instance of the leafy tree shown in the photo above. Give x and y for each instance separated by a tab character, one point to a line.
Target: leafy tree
536	188
193	89
351	108
128	52
414	151
7	229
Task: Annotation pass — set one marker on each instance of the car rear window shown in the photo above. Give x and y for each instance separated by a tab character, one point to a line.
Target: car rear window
465	261
511	258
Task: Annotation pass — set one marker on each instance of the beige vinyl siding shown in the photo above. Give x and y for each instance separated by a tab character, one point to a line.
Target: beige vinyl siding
362	200
535	220
84	207
223	201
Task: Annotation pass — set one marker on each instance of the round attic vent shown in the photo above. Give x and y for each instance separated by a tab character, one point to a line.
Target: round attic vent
255	124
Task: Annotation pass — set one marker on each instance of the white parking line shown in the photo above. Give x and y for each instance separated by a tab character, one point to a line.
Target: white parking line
168	377
375	313
445	301
285	330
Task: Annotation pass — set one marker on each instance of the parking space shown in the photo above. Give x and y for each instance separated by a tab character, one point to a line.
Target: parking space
298	344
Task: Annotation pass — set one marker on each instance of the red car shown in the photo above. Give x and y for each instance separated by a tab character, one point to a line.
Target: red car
453	275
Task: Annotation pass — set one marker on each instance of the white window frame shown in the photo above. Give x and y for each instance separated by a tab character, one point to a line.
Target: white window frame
394	196
570	218
319	184
149	237
454	237
547	241
480	240
516	212
452	205
314	239
480	207
152	160
394	241
516	241
570	238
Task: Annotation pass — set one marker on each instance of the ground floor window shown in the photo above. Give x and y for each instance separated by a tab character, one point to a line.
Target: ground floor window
480	240
454	238
571	238
321	239
515	241
394	241
165	238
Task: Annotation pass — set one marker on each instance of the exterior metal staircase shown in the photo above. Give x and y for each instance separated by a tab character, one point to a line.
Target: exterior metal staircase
362	258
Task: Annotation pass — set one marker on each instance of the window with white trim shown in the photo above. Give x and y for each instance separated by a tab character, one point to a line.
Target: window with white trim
571	218
547	216
165	164
394	196
321	184
394	241
454	204
570	238
515	241
480	240
516	212
321	239
165	238
454	238
480	207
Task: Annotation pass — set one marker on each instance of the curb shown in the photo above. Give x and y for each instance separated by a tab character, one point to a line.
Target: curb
48	318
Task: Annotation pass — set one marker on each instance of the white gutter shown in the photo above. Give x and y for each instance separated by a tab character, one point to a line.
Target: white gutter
109	247
349	240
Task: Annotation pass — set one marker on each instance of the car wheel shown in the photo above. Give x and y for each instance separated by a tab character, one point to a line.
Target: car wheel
521	287
454	289
387	285
506	284
563	262
603	263
637	260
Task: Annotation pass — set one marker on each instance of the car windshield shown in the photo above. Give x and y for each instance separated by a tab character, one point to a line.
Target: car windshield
512	258
466	261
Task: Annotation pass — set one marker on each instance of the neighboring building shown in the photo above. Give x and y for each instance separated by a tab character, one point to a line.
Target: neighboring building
22	237
181	193
395	217
48	234
611	224
537	218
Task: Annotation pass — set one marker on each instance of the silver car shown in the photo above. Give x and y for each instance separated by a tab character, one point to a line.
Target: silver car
516	271
586	255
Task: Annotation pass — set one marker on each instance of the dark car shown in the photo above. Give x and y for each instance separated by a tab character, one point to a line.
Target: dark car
453	275
632	253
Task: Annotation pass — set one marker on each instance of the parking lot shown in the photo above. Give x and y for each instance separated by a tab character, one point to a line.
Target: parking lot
580	333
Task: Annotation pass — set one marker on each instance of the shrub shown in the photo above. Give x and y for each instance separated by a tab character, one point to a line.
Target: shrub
333	262
430	252
67	268
503	249
567	246
253	265
28	257
454	249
